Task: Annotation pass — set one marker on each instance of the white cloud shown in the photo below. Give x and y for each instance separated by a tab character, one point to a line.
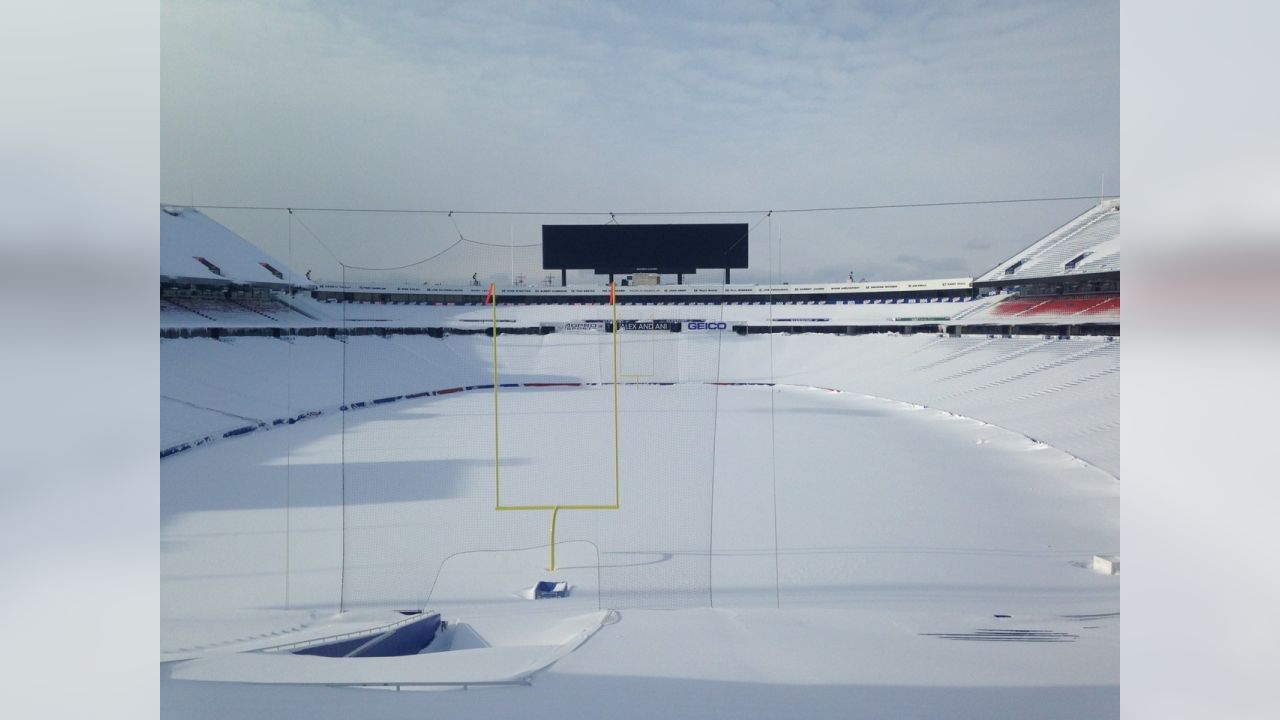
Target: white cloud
602	106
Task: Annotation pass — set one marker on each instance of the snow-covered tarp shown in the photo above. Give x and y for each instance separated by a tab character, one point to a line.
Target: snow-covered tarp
187	235
1088	244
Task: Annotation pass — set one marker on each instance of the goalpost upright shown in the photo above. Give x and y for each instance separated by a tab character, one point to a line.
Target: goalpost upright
555	508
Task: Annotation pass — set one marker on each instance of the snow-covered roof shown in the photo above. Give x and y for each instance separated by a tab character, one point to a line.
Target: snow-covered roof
195	248
1088	244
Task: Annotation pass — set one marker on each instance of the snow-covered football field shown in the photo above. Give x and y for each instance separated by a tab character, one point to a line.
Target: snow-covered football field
829	545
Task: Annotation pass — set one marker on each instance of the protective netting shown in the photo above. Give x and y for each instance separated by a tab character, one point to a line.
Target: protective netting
390	251
393	477
398	473
415	250
421	481
655	549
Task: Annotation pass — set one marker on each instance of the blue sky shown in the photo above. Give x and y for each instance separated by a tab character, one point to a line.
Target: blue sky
645	107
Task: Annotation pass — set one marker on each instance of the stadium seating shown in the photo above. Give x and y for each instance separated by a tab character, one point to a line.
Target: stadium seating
1110	305
1063	392
1066	310
206	310
1085	304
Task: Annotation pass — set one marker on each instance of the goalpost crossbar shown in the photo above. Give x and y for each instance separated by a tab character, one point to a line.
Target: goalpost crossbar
555	508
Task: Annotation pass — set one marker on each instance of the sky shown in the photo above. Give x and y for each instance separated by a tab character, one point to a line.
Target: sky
640	107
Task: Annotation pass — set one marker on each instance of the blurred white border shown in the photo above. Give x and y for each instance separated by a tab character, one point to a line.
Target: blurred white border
79	171
78	188
1201	162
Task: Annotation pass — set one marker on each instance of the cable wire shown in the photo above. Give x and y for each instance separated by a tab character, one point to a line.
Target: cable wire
639	213
773	431
461	239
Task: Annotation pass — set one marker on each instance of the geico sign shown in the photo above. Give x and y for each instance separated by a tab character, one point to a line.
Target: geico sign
699	325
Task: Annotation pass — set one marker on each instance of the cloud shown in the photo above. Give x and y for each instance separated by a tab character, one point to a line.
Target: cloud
633	107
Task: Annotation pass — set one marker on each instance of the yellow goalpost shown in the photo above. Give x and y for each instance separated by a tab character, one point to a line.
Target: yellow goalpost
555	508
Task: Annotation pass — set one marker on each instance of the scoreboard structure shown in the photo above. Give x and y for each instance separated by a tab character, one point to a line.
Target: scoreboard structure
663	249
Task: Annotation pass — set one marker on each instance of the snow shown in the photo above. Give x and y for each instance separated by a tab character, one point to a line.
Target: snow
1096	231
186	234
1064	392
510	658
790	551
370	314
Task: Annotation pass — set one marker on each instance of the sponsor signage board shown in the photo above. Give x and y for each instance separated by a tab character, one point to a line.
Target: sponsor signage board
594	326
650	325
583	326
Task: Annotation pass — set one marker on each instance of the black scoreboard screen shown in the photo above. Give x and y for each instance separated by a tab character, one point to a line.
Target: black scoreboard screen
666	249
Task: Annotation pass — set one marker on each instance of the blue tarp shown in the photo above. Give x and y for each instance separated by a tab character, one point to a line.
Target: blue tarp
550	589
